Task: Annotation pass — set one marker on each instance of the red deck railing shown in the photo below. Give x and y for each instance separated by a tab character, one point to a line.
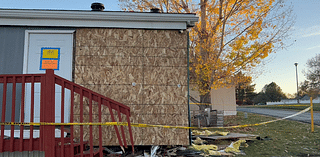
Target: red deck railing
47	141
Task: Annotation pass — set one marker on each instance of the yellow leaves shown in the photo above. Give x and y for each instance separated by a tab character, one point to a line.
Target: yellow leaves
230	43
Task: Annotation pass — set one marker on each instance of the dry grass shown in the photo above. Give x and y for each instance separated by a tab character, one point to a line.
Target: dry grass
288	138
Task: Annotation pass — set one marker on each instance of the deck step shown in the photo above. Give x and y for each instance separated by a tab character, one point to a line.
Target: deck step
67	148
87	153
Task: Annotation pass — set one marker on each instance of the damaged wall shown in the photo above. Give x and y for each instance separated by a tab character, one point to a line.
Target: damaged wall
143	69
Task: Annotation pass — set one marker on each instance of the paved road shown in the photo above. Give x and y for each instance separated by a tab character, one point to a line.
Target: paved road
304	117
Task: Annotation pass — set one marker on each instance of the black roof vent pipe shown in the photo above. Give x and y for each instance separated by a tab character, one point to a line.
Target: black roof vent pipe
97	7
155	10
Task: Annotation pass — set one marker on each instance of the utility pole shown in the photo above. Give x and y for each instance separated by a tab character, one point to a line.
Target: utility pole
296	64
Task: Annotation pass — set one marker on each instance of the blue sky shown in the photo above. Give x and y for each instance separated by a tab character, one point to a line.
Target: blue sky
279	67
306	44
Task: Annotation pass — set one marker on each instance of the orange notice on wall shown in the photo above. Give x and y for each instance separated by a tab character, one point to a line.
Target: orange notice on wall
49	64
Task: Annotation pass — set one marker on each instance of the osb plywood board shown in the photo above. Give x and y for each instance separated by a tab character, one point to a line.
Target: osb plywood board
92	50
165	61
165	38
108	60
153	94
86	108
161	119
135	109
109	37
166	75
144	69
125	60
126	94
141	136
104	50
107	131
108	74
159	109
143	94
179	96
166	52
162	136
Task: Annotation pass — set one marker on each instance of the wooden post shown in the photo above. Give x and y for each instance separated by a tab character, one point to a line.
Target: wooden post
311	112
49	112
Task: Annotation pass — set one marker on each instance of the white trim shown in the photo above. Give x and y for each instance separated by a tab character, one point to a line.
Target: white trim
26	42
26	48
50	31
96	19
93	23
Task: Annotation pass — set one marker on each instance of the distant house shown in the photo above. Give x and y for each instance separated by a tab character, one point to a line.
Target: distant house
307	97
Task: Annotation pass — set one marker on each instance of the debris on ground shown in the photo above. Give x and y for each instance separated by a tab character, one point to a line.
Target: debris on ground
189	152
205	148
200	147
230	136
154	150
209	133
112	152
199	141
264	139
234	147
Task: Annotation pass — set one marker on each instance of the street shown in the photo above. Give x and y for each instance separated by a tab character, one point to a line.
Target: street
304	117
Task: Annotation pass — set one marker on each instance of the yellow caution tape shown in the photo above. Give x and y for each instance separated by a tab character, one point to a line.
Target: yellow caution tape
289	105
149	125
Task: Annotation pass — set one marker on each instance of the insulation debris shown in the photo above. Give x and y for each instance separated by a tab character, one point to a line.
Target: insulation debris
212	152
234	146
199	141
208	149
205	147
208	133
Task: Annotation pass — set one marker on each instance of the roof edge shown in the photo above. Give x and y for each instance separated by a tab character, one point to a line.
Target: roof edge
84	18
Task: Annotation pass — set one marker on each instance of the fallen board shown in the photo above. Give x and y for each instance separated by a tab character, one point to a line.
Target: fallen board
229	136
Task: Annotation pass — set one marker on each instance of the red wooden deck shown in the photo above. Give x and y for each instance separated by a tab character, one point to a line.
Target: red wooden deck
64	146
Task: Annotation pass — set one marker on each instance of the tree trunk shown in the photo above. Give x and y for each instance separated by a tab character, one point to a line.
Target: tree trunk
205	99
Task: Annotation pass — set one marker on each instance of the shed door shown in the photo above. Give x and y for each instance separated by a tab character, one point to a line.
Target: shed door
35	41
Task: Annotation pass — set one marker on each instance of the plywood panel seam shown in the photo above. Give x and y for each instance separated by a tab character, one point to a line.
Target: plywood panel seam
134	56
123	46
159	85
130	65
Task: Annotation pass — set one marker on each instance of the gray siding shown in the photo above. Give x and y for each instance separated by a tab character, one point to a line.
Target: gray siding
11	50
11	62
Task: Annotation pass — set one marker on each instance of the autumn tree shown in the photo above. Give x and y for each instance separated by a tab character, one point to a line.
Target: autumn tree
311	86
231	36
304	88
